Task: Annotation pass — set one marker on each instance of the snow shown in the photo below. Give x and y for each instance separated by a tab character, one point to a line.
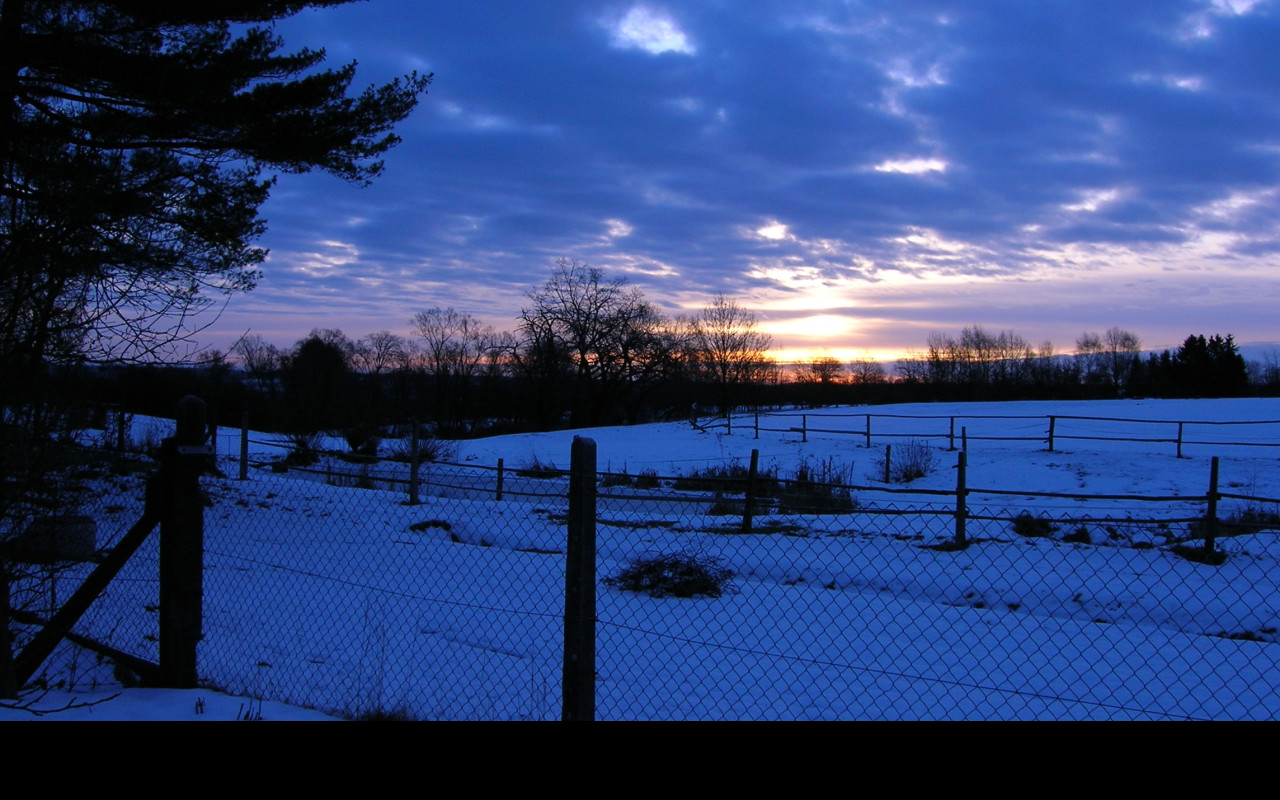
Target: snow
351	601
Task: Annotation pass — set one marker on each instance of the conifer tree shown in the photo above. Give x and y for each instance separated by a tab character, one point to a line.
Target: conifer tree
137	142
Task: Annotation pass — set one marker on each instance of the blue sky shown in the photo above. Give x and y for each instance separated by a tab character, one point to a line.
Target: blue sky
858	173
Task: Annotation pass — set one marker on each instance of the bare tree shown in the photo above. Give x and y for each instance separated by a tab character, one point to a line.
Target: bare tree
260	359
1107	359
913	368
979	358
943	358
378	352
453	342
729	349
866	370
613	342
1264	372
823	369
454	348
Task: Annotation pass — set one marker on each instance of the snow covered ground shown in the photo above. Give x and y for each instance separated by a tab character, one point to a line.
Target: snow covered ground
351	601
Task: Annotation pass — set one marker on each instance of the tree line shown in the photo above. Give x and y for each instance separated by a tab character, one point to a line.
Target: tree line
586	350
589	350
981	365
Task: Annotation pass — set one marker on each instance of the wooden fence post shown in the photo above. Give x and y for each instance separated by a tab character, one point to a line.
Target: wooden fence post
757	425
1211	514
1180	442
804	428
501	475
962	493
182	547
888	453
749	497
578	684
212	439
868	439
244	446
414	459
728	421
1052	422
951	436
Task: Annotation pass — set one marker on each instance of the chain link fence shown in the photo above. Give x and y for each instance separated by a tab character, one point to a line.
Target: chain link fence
334	586
834	601
55	536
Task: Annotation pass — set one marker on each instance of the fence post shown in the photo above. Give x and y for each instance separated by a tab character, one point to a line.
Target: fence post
414	458
728	421
1052	422
579	670
501	475
749	497
964	438
951	436
868	431
1180	442
212	439
962	493
244	446
120	425
1211	514
757	425
182	546
804	428
888	452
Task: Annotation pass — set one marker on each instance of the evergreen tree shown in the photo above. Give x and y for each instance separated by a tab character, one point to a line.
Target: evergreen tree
137	143
1210	367
317	386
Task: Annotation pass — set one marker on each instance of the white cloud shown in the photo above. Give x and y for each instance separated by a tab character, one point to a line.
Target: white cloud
1187	83
647	29
930	240
319	263
617	229
912	166
1093	199
774	231
905	74
816	326
1235	7
486	122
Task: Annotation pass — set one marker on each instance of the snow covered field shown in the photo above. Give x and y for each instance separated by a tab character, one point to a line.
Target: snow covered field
350	601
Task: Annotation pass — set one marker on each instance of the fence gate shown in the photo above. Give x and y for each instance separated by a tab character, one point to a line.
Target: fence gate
172	502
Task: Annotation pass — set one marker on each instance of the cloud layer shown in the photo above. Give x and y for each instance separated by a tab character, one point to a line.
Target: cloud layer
1042	166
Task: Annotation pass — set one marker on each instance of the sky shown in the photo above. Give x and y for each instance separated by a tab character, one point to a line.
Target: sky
859	174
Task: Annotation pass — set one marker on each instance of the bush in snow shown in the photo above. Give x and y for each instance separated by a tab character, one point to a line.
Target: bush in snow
686	573
1032	527
912	459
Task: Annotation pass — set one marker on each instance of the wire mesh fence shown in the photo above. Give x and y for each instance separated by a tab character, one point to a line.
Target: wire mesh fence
55	538
874	616
807	596
845	602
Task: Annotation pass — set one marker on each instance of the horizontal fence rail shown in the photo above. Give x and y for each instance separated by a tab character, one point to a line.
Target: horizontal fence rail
1044	429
